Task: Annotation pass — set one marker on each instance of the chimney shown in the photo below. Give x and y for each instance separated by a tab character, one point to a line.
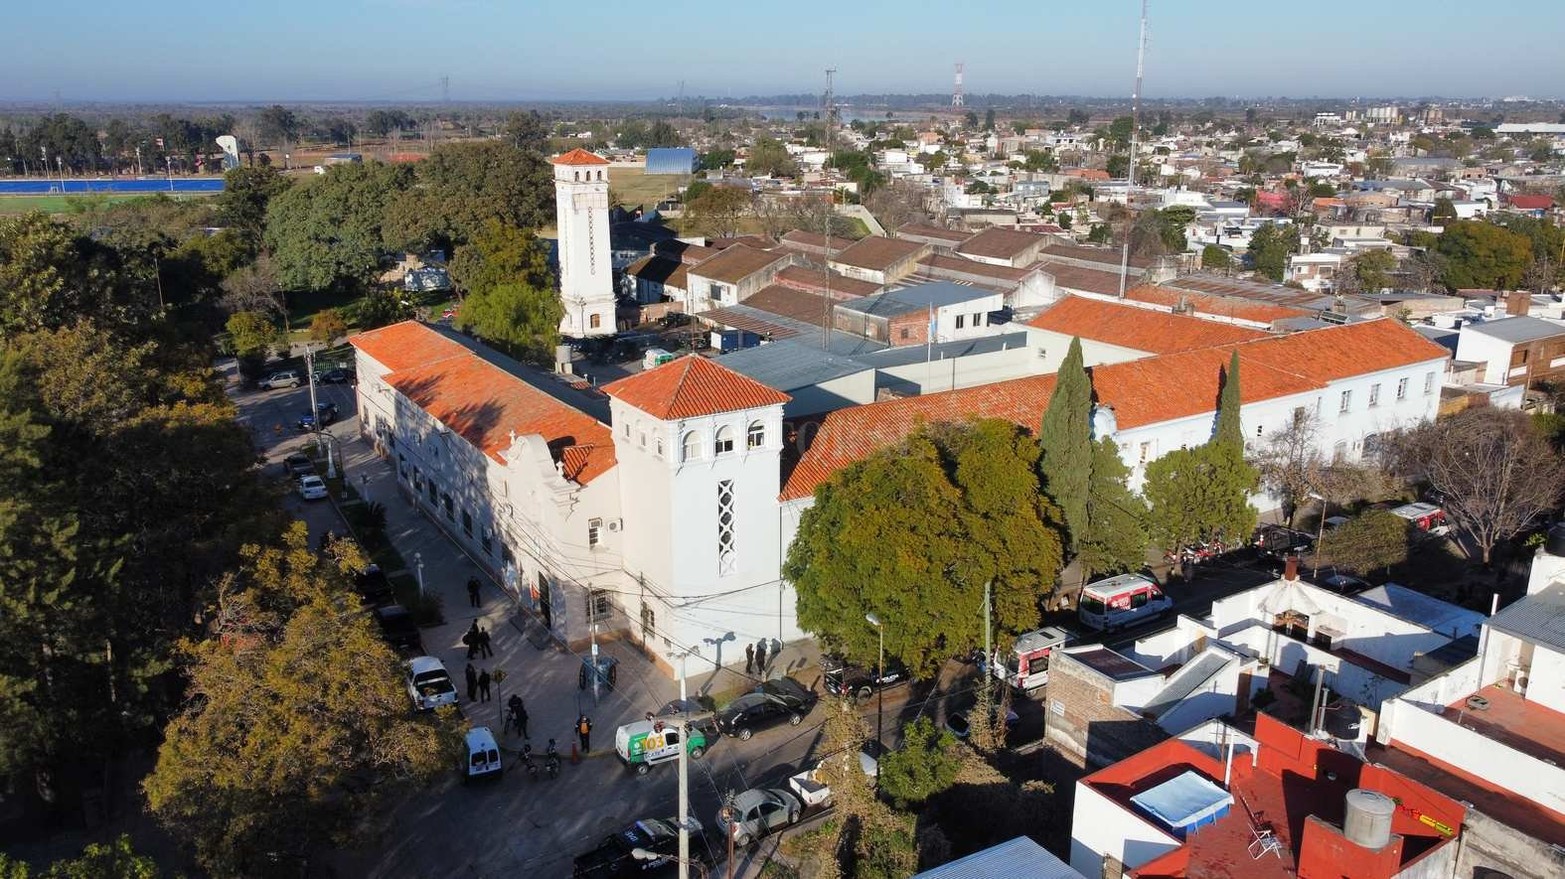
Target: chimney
1518	303
1290	571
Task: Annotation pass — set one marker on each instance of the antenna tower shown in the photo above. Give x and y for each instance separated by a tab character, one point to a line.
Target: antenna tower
445	89
1135	128
956	93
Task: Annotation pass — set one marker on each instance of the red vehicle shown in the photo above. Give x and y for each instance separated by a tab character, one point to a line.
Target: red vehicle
1425	517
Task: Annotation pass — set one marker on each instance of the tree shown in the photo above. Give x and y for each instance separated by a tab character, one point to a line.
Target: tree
1496	471
1288	460
717	211
52	276
328	326
1100	233
1215	257
246	194
1377	539
926	764
1484	255
1065	437
897	203
1443	211
1198	493
526	132
1115	537
461	186
278	125
1118	166
1270	247
1371	270
252	333
297	723
326	233
913	533
1229	431
989	119
769	158
116	860
1172	223
510	299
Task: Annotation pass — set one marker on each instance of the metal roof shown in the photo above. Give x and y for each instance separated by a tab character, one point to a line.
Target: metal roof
936	294
1191	676
1518	329
1539	618
1018	857
671	160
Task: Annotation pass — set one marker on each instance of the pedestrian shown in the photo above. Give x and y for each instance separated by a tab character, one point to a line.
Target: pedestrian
471	640
518	714
749	658
483	685
472	683
760	656
472	592
584	731
484	649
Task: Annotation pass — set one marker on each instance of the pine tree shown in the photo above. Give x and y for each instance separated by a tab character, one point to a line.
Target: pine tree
1066	440
1115	539
1229	431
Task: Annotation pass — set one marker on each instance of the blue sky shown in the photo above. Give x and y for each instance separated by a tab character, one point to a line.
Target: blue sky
397	50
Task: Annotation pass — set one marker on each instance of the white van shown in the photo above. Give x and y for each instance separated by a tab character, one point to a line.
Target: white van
1112	604
483	754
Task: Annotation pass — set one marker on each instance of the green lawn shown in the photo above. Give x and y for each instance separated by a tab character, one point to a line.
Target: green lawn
65	204
635	187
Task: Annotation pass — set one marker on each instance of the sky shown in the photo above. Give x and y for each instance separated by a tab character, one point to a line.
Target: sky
539	50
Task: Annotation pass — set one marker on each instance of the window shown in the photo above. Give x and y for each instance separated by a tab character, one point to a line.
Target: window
1346	403
904	333
643	439
1401	389
714	292
434	494
467	523
506	556
691	447
488	541
725	527
595	321
755	437
961	321
445	501
1429	383
725	441
626	430
658	446
1374	395
598	605
1339	453
1146	452
594	531
978	320
1299	414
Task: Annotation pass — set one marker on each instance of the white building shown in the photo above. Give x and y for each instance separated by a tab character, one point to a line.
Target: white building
581	211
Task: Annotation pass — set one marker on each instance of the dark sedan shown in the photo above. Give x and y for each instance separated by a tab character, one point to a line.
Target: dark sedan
774	703
844	679
647	848
325	414
398	628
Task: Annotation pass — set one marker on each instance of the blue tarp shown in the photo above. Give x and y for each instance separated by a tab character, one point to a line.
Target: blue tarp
1185	802
119	184
671	160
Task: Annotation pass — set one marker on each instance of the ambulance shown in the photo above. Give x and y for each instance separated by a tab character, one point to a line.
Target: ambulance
1125	600
1026	667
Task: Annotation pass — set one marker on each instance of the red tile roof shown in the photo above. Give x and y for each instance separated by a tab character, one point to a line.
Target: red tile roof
1225	306
877	254
736	263
1532	202
1334	353
690	387
813	280
998	242
405	344
1156	332
580	156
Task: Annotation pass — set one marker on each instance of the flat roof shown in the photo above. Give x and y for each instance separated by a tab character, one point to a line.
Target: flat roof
1515	721
935	294
1432	613
1517	329
1111	664
1018	857
1539	617
876	253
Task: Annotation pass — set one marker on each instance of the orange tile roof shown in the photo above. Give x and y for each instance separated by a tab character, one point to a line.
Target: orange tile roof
580	156
876	253
405	344
483	403
690	387
1226	306
999	242
1334	353
1156	332
733	264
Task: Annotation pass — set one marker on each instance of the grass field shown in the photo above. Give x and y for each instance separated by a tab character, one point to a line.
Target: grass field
67	204
634	186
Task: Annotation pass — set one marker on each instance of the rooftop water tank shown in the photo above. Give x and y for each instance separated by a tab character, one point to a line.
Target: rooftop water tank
1368	821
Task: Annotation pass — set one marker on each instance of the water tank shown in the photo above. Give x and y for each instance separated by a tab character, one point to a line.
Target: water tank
1555	544
1344	720
1368	822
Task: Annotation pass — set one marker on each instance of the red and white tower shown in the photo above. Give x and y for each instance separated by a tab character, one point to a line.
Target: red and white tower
581	206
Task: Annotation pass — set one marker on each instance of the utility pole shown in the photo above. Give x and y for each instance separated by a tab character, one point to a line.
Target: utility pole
684	772
988	636
1135	123
831	207
309	376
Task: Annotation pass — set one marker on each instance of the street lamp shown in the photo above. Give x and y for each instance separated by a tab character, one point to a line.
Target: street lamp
418	564
1319	538
880	670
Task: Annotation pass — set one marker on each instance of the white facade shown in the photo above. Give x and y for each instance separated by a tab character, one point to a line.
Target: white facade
1102	828
581	212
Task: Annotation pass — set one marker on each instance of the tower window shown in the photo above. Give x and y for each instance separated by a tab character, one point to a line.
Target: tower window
725	441
691	447
595	321
725	527
594	531
755	437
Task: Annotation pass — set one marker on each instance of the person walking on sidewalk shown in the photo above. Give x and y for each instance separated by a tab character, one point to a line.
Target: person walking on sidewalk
484	649
472	592
584	731
470	638
483	685
519	714
472	683
749	658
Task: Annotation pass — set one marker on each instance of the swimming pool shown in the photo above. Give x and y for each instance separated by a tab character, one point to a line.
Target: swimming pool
107	184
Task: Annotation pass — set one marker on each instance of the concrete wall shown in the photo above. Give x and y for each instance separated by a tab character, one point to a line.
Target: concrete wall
1494	354
1478	755
947	373
1102	828
1085	724
1546	683
1489	845
1052	346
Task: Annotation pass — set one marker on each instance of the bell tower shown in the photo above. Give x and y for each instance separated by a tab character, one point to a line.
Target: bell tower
581	200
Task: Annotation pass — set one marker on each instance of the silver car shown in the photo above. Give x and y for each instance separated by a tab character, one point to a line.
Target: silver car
758	812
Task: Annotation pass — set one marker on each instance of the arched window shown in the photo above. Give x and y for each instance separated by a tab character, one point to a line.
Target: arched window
755	437
578	176
725	441
691	450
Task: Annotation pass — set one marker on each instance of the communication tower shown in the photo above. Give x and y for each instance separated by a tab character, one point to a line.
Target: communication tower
956	93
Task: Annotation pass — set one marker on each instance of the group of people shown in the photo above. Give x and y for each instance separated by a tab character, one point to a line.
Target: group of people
477	641
755	656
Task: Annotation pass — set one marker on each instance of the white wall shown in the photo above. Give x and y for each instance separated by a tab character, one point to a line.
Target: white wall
1101	827
586	271
1546	682
1498	764
963	372
946	318
1093	353
1494	354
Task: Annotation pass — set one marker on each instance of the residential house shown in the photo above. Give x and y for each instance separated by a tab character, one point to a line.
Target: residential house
1517	350
1003	247
907	316
879	260
733	274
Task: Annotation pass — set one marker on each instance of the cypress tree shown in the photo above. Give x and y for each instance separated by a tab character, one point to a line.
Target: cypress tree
1229	431
1116	535
1066	440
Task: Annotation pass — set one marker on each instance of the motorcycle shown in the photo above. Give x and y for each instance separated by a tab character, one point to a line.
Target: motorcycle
551	760
527	761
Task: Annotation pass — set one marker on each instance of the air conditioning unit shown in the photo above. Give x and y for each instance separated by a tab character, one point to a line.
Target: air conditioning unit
614	524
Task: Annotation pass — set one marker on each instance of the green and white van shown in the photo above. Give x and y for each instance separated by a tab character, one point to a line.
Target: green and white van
646	743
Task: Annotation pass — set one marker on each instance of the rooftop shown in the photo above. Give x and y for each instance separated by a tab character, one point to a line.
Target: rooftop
1518	329
690	387
1142	329
1538	617
935	294
939	263
878	254
923	230
1232	307
814	242
997	242
1110	256
1515	721
735	263
1503	806
1018	857
1111	664
1081	278
1448	619
801	305
840	285
580	156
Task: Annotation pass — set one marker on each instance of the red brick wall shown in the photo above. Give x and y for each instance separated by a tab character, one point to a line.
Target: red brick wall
916	325
1327	854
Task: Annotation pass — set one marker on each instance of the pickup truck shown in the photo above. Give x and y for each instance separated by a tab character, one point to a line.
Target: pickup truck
813	793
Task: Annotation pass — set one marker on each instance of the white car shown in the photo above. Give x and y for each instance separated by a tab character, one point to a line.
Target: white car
483	754
312	488
429	684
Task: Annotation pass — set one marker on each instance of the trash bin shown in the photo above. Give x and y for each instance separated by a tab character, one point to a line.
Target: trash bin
606	668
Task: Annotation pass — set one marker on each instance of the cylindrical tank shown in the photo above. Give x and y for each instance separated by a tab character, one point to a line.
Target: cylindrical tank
1368	821
1344	720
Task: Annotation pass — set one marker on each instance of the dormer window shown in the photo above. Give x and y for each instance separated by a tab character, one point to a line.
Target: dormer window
691	447
725	441
755	437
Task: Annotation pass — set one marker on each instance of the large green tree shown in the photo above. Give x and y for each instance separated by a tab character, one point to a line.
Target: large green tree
1115	537
115	860
462	186
326	233
1374	541
1066	440
1198	493
1229	430
913	532
247	191
1481	254
1270	247
509	296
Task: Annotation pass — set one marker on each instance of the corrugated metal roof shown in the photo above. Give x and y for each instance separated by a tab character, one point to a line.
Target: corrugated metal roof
1403	603
1191	676
1518	329
1539	618
1009	860
671	160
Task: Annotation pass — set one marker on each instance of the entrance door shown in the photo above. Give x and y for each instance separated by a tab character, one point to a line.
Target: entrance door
545	606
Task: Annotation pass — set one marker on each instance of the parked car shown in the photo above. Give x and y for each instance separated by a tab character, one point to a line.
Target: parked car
845	679
312	488
325	414
698	716
288	378
1275	541
373	587
483	755
779	701
429	683
398	629
656	840
338	376
758	812
298	464
961	727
